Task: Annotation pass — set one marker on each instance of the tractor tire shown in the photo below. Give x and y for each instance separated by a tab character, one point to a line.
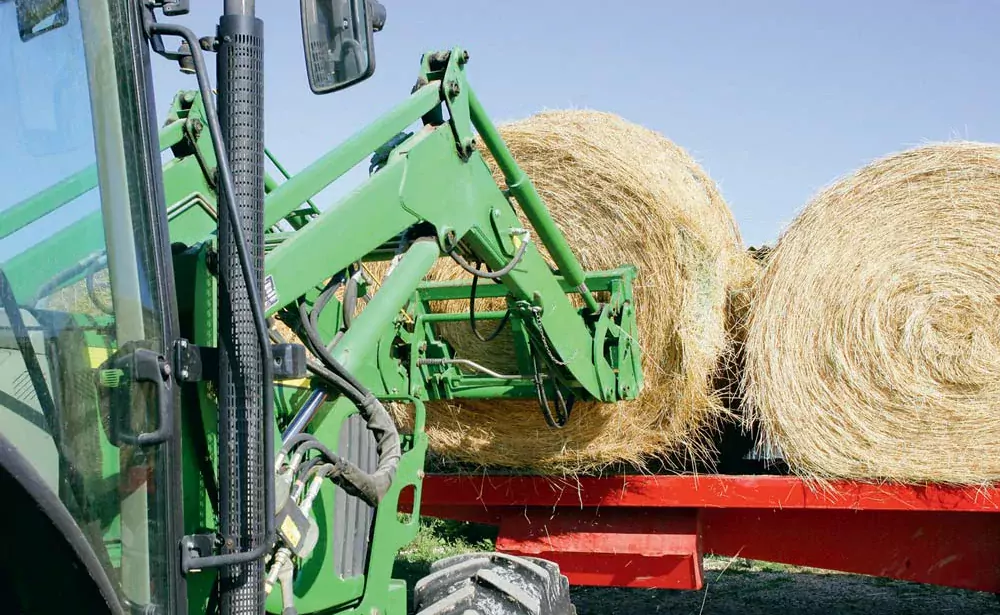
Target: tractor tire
493	584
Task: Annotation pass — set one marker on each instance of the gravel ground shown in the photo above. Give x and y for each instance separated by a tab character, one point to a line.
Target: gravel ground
733	586
773	590
762	589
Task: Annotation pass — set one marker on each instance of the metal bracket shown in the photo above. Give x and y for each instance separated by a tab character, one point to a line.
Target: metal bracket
190	361
289	361
195	546
446	67
197	363
171	8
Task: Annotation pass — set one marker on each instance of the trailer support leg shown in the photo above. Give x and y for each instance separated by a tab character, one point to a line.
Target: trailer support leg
646	548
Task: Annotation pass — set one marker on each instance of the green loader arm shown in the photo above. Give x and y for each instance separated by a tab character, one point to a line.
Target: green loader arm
435	185
434	181
430	195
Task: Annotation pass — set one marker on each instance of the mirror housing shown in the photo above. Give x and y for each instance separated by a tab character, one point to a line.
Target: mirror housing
338	41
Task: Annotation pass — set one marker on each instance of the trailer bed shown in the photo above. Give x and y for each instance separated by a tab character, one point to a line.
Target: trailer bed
652	530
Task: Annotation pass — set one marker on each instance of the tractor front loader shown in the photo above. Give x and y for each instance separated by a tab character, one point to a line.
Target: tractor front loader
166	446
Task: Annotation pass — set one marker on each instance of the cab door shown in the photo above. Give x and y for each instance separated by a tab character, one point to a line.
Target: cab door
88	312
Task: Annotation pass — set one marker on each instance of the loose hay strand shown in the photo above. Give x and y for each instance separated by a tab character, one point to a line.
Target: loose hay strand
873	341
621	194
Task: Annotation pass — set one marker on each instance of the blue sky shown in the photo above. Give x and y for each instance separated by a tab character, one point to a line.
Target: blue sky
776	99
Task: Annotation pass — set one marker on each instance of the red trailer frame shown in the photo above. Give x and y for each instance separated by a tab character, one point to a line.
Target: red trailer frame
651	531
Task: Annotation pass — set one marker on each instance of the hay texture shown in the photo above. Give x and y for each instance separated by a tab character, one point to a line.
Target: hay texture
873	345
621	194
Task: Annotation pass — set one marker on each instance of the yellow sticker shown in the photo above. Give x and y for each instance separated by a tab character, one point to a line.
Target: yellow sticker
291	531
97	355
295	383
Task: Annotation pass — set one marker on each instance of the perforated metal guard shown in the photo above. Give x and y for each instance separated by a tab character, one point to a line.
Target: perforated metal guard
241	408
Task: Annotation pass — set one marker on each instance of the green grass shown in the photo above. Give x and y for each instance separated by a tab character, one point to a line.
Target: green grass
716	563
437	539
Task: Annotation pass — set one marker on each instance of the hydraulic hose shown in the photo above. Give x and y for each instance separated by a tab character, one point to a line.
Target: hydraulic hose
292	442
386	444
350	300
321	351
324	298
356	397
370	487
491	275
472	316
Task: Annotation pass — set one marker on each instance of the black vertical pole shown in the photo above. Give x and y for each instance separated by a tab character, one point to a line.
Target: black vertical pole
241	414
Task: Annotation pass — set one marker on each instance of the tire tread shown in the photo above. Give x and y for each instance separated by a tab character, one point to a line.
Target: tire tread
494	584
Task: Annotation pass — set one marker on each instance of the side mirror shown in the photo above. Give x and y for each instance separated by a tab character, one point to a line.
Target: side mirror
35	17
337	36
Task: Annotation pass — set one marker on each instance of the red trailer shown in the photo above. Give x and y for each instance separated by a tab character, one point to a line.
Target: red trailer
652	530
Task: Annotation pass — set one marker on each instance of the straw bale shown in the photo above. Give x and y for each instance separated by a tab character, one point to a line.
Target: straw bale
873	346
622	194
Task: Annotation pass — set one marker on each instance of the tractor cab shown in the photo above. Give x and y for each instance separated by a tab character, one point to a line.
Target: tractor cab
89	461
156	453
86	297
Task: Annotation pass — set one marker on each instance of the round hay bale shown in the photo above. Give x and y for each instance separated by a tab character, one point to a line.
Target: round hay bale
873	349
622	194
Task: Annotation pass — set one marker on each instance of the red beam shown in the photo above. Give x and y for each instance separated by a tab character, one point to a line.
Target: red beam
956	549
710	491
650	531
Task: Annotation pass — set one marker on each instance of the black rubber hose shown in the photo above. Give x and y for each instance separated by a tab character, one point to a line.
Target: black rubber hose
338	383
324	298
295	441
308	466
320	350
313	344
314	444
369	487
386	443
472	316
491	275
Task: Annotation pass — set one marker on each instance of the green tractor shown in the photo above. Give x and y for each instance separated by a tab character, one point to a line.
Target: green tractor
164	449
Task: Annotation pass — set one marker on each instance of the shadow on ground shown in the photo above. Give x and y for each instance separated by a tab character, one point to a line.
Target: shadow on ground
734	586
